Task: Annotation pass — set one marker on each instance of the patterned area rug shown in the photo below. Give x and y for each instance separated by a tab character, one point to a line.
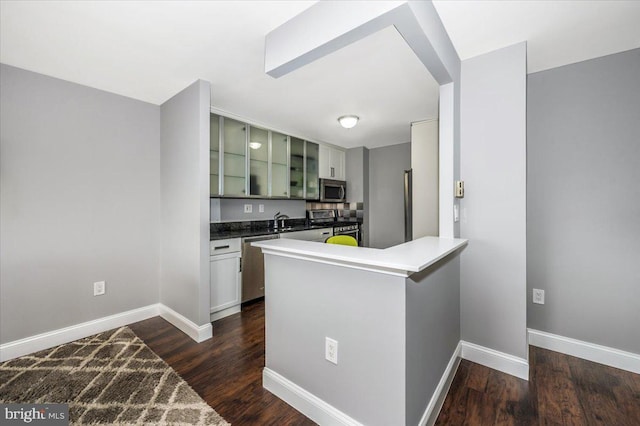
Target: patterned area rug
109	378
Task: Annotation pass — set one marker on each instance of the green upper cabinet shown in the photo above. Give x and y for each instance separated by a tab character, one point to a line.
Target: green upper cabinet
214	155
279	165
296	168
258	161
311	171
235	155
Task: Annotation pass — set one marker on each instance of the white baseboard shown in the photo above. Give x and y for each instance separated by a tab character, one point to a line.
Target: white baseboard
69	334
435	404
590	351
184	324
500	361
308	404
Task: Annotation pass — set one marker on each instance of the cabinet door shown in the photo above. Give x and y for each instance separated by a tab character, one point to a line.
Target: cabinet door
311	158
258	161
214	155
235	151
296	168
324	159
279	165
332	163
338	161
224	280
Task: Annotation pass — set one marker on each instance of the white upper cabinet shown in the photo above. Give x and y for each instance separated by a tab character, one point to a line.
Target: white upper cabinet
332	163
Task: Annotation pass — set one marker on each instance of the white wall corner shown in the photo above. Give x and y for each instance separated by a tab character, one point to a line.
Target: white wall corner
61	336
515	366
302	400
199	333
616	358
439	395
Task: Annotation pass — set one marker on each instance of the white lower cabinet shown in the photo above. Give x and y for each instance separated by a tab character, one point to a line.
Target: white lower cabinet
225	277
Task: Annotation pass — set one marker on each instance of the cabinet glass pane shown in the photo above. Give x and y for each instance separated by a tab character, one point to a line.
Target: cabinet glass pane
235	167
312	171
258	161
214	154
279	165
296	168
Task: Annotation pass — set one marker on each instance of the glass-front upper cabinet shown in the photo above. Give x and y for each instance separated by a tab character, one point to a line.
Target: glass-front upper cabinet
235	151
214	155
296	168
311	171
279	165
258	161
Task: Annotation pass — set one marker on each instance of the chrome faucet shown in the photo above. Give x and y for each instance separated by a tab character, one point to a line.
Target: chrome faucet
276	218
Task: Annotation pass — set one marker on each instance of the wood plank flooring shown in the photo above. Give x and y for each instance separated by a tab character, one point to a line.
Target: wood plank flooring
562	390
227	372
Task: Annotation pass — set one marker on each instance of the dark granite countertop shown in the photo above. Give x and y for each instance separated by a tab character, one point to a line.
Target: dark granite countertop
219	231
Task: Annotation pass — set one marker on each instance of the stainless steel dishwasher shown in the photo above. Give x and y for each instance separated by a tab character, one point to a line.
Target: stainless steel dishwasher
253	268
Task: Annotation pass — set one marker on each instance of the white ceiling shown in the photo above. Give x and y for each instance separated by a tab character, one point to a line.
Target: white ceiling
151	50
557	32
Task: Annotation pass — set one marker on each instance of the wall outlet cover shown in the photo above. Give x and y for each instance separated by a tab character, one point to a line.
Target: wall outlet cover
538	296
260	208
331	350
248	208
99	288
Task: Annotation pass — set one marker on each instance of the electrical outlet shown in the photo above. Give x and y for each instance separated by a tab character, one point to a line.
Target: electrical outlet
538	296
248	208
459	191
99	288
260	208
331	350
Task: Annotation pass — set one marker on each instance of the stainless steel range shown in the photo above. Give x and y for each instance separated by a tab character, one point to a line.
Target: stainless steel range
351	229
328	217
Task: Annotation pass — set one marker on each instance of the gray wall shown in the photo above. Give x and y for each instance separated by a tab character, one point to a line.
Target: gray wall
386	194
80	198
583	157
432	331
357	165
493	166
232	209
364	311
184	176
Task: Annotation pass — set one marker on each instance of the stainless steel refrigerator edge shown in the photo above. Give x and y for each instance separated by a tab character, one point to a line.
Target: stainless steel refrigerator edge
408	205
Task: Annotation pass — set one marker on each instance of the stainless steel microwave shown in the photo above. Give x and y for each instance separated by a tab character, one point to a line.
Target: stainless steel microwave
333	191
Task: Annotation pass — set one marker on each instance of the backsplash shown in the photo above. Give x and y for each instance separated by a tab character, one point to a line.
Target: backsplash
344	209
232	209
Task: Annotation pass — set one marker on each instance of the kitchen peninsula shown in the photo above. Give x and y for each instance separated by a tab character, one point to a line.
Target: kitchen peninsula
394	313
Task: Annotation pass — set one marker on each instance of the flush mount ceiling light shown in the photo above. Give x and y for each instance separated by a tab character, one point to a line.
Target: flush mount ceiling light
255	145
348	121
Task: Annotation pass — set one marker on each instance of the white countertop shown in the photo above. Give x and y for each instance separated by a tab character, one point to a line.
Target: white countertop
403	259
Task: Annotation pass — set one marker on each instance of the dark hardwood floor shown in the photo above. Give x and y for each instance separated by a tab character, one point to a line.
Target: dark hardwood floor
227	372
562	390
